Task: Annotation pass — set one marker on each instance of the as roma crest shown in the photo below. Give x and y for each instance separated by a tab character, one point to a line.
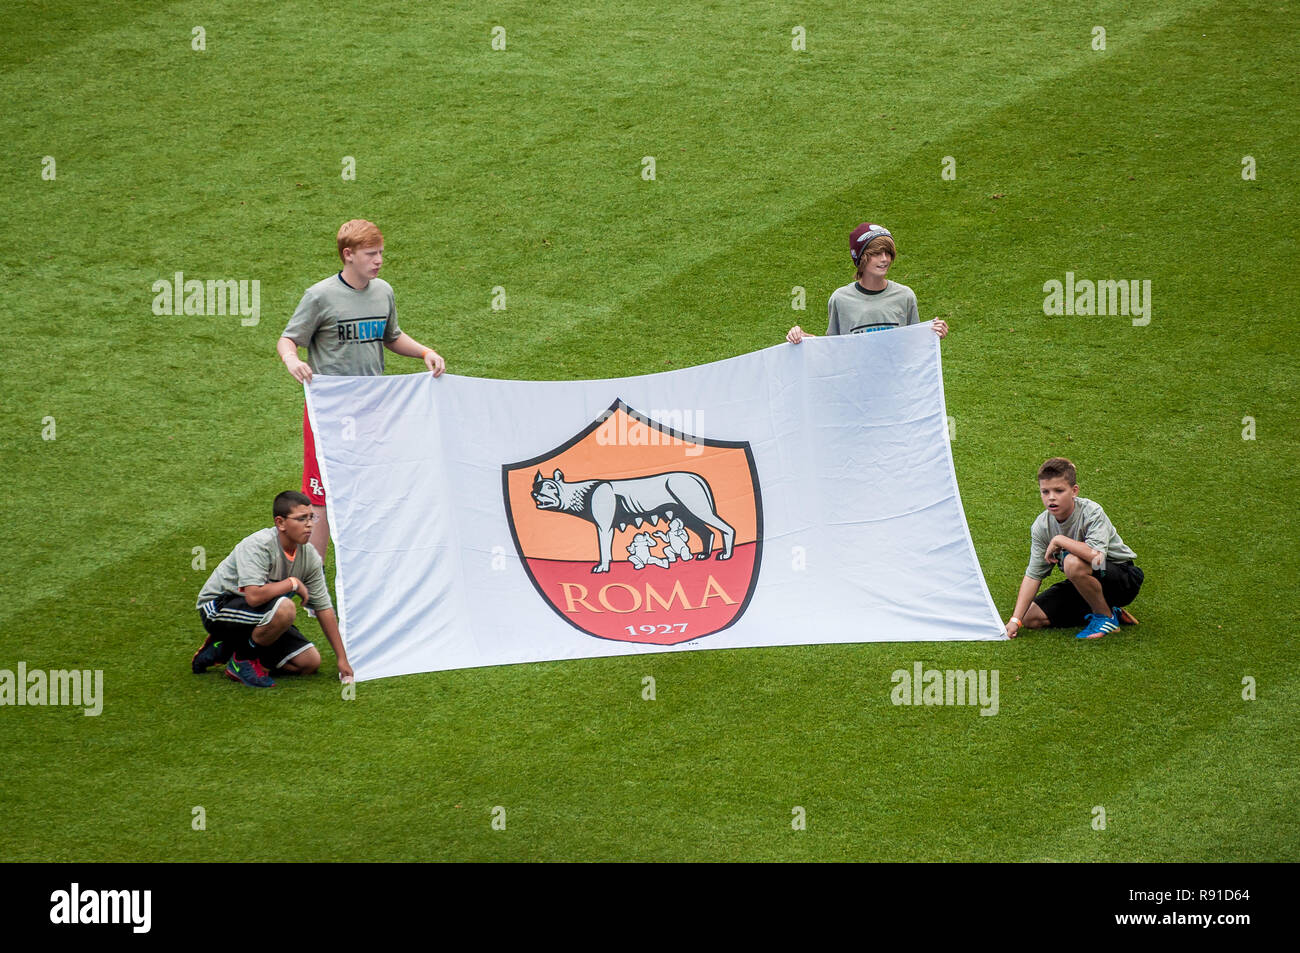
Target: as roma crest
637	531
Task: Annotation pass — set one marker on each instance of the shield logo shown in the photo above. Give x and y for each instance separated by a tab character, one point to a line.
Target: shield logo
637	531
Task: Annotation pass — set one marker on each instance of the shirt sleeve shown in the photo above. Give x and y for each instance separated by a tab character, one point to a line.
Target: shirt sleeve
306	319
320	593
1038	568
1099	531
252	564
913	316
832	324
391	331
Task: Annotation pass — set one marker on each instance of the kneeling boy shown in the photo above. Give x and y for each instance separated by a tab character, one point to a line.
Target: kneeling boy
247	609
1075	534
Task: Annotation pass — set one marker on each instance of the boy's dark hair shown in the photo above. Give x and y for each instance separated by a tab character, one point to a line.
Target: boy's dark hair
1058	467
288	501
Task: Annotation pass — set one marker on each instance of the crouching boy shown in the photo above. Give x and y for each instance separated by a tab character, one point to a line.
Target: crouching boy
247	607
1075	534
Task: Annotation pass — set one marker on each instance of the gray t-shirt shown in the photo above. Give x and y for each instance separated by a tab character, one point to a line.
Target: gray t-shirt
855	310
1087	524
258	559
344	329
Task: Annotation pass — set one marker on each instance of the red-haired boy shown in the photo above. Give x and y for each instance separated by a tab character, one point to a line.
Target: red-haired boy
345	322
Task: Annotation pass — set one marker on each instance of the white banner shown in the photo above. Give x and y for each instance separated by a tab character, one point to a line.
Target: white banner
801	494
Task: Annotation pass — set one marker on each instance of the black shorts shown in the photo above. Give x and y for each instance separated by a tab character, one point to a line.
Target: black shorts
230	619
1063	605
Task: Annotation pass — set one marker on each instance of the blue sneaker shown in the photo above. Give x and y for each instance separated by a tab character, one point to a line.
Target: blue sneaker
248	671
209	653
1098	625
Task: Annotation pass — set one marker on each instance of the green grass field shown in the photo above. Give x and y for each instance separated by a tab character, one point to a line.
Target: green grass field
522	168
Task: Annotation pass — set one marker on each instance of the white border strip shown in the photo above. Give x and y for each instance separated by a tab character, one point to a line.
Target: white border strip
956	491
334	535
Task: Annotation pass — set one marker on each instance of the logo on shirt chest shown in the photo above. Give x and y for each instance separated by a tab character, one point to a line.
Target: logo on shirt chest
357	330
